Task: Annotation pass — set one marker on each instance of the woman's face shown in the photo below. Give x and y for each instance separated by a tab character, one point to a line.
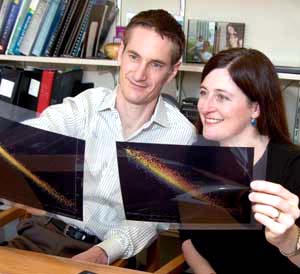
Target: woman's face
231	30
224	109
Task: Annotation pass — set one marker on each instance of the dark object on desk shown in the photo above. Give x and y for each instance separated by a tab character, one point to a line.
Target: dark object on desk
287	69
87	272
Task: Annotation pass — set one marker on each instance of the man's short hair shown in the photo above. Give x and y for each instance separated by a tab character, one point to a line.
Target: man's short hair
164	24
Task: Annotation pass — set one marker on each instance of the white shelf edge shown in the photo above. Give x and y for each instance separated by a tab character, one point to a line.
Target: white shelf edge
107	63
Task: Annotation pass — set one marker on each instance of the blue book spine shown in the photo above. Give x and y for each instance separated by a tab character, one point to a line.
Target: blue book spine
54	29
24	27
20	20
45	28
9	24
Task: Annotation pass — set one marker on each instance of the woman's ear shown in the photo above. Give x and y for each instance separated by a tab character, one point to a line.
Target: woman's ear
255	110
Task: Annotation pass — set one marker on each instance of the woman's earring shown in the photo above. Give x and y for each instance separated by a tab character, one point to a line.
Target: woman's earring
253	122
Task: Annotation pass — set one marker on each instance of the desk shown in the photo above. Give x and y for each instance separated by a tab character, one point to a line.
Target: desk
14	261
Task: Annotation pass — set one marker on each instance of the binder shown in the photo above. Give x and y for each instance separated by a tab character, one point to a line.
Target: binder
65	85
28	90
45	90
10	79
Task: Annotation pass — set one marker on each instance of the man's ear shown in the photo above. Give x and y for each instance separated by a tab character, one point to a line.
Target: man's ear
120	52
174	71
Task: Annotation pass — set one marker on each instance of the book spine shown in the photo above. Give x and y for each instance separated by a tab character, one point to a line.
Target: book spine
79	40
4	11
17	26
33	28
25	25
9	24
58	20
65	29
45	28
45	90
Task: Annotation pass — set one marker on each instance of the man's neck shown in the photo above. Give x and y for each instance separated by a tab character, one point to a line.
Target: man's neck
133	116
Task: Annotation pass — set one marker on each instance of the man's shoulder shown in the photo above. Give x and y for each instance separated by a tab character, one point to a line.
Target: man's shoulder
97	93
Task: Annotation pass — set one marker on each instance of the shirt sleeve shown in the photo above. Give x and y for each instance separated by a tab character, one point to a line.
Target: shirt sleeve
128	239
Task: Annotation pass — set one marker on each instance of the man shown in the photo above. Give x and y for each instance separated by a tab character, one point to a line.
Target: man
149	58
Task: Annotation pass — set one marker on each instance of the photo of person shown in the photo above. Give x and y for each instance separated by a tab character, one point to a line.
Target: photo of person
229	35
200	41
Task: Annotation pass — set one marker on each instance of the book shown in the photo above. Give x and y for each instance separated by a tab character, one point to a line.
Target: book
25	25
229	35
4	11
45	28
65	85
34	27
94	29
17	26
28	90
68	24
55	28
200	40
81	13
9	24
46	88
10	79
110	16
78	44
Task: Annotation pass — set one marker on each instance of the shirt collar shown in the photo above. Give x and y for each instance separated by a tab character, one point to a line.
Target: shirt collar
160	113
109	101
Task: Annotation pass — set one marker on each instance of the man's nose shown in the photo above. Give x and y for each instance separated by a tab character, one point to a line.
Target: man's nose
140	73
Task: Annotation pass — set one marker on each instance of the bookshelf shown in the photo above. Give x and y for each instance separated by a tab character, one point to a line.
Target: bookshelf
94	64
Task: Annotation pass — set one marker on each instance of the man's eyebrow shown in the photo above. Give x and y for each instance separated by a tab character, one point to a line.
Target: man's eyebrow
133	52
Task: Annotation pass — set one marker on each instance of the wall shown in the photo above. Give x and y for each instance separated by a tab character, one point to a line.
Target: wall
272	26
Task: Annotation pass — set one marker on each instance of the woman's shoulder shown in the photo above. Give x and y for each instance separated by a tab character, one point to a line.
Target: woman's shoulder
289	151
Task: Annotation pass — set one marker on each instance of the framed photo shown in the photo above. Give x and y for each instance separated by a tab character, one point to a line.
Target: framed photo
200	41
229	35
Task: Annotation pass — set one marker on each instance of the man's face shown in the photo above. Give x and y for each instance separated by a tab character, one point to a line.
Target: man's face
145	66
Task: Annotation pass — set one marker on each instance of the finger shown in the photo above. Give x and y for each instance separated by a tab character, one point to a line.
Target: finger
198	263
267	210
275	189
276	226
31	210
276	202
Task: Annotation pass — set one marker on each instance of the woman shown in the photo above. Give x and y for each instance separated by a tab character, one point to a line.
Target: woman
234	38
241	104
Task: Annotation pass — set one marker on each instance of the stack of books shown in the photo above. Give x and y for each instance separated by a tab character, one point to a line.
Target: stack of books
75	28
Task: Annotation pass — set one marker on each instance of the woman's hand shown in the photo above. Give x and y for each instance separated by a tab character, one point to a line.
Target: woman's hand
277	209
197	263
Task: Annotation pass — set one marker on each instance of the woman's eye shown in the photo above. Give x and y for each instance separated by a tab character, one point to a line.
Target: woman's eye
221	97
202	93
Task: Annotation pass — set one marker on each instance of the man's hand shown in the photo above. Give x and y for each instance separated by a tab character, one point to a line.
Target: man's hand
198	264
93	255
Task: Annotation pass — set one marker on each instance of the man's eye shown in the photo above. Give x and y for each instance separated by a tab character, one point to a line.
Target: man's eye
156	65
133	57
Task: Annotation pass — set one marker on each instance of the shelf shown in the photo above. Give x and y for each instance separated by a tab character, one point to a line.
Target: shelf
97	63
